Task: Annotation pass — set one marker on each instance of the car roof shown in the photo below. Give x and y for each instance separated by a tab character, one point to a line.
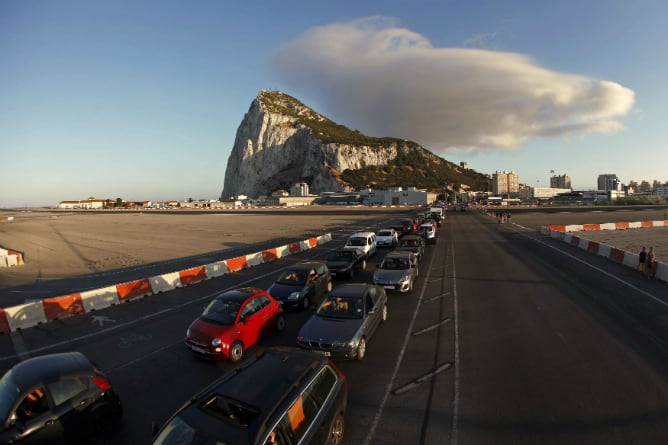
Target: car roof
237	406
49	367
306	265
240	294
361	234
350	289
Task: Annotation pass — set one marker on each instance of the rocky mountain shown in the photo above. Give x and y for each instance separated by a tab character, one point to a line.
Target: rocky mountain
281	141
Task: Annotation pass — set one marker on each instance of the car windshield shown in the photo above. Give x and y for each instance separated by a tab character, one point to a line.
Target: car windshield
340	256
341	307
408	243
395	264
384	233
8	394
356	242
179	432
292	277
222	311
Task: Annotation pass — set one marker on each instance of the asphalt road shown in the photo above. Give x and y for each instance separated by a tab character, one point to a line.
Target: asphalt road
508	337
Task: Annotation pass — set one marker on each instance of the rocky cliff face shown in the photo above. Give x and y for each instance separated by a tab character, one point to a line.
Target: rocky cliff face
277	146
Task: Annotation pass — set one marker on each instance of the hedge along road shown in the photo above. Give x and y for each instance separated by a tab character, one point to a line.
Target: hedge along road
507	337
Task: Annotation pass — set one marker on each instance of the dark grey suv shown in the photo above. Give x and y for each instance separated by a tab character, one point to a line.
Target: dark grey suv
281	396
302	284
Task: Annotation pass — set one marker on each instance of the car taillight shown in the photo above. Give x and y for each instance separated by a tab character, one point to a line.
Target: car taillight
102	383
338	371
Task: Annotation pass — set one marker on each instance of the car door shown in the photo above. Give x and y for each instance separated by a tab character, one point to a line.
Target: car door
372	312
321	283
251	321
34	420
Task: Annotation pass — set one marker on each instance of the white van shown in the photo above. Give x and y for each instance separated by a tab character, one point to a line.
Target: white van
364	241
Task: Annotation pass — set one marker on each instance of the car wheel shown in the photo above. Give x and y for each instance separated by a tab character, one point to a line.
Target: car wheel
306	303
384	314
361	349
236	351
363	266
336	432
329	286
280	323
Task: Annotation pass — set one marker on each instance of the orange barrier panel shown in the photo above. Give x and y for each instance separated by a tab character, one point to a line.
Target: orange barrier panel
236	264
295	247
312	242
621	225
63	307
591	227
4	324
133	289
593	246
646	224
193	275
269	255
616	255
557	228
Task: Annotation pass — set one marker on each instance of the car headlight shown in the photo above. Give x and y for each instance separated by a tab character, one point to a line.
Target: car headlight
188	333
216	342
294	296
404	279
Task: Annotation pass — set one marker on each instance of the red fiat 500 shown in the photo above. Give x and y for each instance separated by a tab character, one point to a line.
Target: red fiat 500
234	321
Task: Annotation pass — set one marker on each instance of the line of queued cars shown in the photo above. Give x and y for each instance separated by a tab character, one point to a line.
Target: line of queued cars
65	398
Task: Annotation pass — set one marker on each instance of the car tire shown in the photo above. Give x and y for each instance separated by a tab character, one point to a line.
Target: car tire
306	302
330	286
361	349
236	351
280	323
336	431
383	316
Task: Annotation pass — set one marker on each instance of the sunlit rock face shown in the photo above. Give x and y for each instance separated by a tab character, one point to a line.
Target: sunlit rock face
281	142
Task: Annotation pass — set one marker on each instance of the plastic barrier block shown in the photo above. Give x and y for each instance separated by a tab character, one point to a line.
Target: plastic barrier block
4	324
216	269
304	245
25	315
630	260
575	228
575	240
166	282
269	255
133	289
646	224
661	271
322	239
616	255
99	298
295	247
194	275
254	259
621	225
282	251
586	227
592	246
12	260
608	226
236	264
604	250
557	228
635	225
312	242
63	307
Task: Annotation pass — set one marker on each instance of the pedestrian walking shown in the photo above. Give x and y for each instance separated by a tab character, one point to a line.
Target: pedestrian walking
650	263
642	257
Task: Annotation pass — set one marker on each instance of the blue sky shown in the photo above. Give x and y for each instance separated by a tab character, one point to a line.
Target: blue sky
142	99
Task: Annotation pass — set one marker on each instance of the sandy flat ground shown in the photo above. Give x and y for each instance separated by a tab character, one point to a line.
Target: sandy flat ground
59	244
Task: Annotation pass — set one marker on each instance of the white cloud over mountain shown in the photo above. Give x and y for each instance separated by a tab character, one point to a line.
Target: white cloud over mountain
391	81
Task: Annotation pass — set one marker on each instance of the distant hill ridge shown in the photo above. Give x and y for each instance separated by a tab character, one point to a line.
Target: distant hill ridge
281	141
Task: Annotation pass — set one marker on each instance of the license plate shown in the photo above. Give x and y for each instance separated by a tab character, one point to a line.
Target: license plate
196	349
388	287
325	353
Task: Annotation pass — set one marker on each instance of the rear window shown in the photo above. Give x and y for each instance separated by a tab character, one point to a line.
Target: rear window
179	432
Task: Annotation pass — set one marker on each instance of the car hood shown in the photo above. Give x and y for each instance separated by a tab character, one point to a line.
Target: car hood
392	275
202	331
281	291
330	330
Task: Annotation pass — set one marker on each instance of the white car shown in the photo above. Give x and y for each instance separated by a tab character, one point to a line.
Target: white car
387	238
364	241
